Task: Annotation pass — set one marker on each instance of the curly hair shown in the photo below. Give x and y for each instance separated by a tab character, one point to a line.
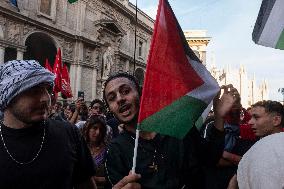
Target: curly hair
100	102
272	107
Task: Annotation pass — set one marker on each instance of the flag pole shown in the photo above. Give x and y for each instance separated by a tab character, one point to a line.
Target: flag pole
134	64
135	151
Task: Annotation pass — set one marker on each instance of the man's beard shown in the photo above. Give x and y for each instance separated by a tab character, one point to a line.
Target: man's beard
23	116
133	121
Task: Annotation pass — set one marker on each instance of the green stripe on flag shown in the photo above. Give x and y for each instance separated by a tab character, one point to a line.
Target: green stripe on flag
176	119
72	1
280	43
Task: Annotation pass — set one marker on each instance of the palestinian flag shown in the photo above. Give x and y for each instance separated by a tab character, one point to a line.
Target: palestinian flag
72	1
269	27
177	86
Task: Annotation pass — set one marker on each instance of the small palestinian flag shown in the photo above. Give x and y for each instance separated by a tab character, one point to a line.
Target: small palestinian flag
269	27
177	87
72	1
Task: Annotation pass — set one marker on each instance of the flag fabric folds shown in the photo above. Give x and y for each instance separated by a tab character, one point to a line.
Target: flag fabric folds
177	86
47	66
66	88
57	70
14	2
72	1
269	27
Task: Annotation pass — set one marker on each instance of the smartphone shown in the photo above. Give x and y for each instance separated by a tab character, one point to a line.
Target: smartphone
81	95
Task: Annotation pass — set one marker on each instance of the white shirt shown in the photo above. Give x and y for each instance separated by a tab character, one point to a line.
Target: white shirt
262	167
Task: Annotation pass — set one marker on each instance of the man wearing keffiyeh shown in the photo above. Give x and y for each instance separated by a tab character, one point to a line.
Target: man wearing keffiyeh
37	152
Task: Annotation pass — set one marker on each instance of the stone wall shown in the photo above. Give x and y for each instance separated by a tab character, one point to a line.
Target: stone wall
84	31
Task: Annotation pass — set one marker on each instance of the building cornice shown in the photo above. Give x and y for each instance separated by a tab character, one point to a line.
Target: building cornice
45	27
4	43
128	13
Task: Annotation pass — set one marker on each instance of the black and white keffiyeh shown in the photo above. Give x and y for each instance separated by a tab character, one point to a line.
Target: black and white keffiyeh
17	76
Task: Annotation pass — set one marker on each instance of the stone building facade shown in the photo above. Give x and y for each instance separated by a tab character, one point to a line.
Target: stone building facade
96	38
198	41
249	90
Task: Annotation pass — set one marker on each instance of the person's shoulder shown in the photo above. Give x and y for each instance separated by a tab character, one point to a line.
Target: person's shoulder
61	127
269	143
262	149
122	138
264	158
59	123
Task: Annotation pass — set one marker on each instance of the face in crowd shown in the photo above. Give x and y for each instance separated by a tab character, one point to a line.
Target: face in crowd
95	130
57	107
266	118
95	134
69	110
32	105
122	97
96	109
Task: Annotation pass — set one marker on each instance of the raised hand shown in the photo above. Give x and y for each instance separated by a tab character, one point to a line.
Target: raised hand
223	105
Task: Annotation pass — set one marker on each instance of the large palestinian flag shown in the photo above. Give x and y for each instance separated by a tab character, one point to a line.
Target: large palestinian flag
269	27
177	86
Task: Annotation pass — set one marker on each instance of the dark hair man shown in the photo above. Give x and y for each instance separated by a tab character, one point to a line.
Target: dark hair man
97	107
267	118
162	161
37	152
265	158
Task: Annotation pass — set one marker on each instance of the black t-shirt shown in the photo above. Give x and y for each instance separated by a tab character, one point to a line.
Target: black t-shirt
158	161
171	157
63	162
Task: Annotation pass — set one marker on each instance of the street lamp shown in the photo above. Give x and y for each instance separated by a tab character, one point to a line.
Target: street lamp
281	90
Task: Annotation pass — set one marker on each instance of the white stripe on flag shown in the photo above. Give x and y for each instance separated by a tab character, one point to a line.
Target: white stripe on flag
209	89
274	26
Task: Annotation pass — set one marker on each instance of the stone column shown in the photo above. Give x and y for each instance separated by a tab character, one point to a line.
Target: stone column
73	79
2	54
20	54
94	83
78	79
127	67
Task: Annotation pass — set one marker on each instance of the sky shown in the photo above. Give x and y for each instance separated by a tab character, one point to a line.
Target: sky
229	23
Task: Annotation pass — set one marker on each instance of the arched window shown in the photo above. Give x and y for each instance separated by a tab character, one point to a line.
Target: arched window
46	49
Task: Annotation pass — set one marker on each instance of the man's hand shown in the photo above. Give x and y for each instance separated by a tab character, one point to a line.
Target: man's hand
233	184
79	104
128	182
223	105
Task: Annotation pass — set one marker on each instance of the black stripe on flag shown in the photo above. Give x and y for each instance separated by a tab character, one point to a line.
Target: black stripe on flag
188	51
263	14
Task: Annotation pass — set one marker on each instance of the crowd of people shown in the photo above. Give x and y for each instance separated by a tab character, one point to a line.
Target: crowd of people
47	143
